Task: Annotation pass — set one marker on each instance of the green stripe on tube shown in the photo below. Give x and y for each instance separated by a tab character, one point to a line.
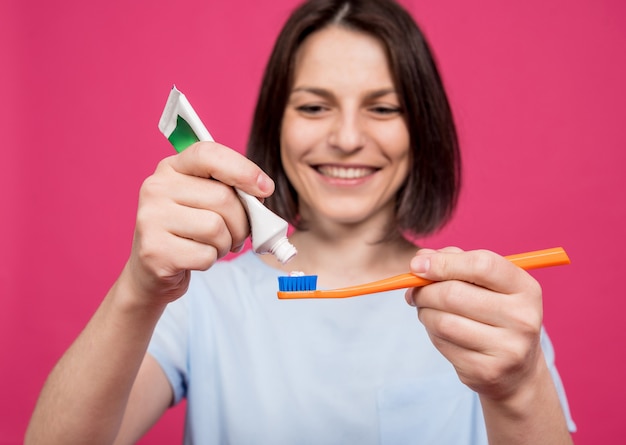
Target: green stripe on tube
182	136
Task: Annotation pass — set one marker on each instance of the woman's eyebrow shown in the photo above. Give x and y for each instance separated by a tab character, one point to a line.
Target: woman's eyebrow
380	93
329	95
314	90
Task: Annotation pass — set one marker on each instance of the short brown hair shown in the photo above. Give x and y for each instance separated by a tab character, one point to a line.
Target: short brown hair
429	195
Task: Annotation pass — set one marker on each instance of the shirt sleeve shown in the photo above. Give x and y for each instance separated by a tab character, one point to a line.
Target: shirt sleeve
170	345
548	352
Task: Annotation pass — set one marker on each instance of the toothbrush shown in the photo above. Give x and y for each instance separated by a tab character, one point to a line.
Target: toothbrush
298	287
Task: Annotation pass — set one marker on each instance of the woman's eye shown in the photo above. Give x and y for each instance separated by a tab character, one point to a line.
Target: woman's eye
311	109
385	110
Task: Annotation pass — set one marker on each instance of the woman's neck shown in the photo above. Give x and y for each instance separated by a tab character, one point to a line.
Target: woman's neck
347	255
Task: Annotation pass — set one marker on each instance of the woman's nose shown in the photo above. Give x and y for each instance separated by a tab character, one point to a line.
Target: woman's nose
347	133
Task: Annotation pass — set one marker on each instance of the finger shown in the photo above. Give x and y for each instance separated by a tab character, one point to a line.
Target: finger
479	267
203	226
189	254
475	369
213	160
167	254
464	343
466	300
172	196
214	196
458	330
426	253
450	249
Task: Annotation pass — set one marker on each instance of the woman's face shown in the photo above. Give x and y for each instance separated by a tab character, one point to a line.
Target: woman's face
344	139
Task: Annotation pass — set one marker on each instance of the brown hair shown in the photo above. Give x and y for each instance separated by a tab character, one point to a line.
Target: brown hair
429	195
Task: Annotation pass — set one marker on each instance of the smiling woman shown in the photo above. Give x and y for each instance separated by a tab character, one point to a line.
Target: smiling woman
354	126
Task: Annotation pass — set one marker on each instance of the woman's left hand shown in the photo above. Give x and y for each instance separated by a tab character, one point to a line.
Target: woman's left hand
484	314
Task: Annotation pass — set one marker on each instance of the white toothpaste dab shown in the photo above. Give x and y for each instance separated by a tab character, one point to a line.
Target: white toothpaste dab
297	273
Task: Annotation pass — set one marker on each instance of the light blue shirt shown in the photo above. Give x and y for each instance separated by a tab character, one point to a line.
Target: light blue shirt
258	370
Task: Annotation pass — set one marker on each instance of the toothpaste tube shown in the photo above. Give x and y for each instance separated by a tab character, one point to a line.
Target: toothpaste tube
182	127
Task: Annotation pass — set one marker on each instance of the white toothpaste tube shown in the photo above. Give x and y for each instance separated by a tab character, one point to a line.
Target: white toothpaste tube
182	127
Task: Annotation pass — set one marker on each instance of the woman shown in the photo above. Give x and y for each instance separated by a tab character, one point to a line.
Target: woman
354	126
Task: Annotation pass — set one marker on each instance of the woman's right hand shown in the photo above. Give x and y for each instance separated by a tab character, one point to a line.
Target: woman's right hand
188	217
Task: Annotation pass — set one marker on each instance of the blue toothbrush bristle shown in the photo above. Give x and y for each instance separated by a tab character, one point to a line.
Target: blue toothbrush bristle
297	283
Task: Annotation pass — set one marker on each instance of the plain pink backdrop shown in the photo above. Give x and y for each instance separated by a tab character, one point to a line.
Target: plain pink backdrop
537	88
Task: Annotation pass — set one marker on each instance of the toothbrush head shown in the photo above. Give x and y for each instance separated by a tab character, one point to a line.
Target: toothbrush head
297	283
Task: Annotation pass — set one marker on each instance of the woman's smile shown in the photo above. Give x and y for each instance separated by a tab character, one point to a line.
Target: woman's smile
344	172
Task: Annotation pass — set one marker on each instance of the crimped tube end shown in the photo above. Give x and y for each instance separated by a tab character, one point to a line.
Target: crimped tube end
283	250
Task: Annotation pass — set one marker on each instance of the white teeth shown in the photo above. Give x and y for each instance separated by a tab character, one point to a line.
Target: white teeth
345	173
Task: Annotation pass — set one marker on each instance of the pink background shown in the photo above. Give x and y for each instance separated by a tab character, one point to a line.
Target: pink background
537	88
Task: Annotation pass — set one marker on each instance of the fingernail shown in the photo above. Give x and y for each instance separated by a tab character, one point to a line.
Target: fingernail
238	248
425	251
264	183
420	264
408	296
